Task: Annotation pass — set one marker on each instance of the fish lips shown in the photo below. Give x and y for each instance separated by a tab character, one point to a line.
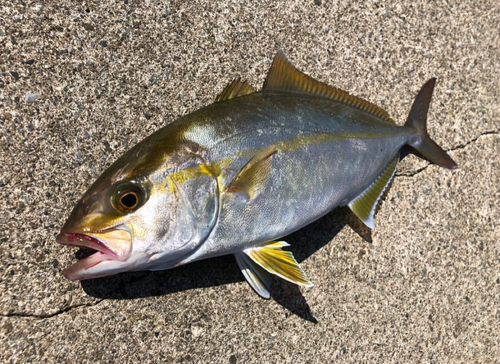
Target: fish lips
111	245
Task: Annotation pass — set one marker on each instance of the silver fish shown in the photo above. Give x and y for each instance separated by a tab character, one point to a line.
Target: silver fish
238	175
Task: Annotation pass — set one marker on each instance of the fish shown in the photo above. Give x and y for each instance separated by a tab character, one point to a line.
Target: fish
238	175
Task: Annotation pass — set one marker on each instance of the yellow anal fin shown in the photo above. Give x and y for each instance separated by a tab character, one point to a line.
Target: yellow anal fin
273	259
365	204
256	276
253	177
235	89
283	76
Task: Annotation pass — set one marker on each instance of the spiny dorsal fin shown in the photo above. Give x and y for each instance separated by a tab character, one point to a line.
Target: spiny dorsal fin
255	275
273	259
235	89
253	177
365	204
283	76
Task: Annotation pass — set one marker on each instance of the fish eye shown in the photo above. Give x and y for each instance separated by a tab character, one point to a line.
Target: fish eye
127	197
129	200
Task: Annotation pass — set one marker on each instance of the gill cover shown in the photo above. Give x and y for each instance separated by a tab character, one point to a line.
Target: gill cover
195	192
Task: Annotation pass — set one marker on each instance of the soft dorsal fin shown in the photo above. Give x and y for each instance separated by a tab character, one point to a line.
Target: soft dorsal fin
253	177
283	76
365	204
235	89
271	257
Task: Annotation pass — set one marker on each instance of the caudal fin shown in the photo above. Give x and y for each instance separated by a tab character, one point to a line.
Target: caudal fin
417	120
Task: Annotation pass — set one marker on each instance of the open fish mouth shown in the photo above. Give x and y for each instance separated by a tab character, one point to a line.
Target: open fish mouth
110	245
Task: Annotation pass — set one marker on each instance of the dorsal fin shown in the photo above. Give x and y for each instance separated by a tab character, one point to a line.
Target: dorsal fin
235	89
283	76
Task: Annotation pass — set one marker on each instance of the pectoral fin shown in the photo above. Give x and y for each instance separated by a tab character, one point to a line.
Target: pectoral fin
255	275
364	205
253	177
274	260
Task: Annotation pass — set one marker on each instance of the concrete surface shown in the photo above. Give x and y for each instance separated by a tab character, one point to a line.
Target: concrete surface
81	83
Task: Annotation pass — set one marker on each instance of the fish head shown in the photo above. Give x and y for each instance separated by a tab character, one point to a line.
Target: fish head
135	218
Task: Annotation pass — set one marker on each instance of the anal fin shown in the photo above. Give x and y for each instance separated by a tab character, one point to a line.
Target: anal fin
365	204
274	260
255	275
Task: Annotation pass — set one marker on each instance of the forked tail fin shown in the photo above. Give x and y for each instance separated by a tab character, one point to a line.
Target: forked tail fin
417	120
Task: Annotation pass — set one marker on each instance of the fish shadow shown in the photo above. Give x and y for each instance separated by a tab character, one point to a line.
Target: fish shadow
224	270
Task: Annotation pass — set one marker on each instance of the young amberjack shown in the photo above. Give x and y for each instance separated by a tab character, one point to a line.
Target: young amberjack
236	176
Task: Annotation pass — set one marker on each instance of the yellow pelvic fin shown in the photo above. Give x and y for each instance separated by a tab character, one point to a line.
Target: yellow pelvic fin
235	89
365	204
256	276
253	177
273	259
283	76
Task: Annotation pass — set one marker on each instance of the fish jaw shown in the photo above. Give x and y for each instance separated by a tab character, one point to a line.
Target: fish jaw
112	248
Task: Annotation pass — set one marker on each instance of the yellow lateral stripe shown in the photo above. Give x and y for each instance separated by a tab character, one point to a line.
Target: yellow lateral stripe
305	140
186	174
279	262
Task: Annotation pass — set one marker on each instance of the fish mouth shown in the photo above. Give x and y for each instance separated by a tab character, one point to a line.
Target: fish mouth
109	245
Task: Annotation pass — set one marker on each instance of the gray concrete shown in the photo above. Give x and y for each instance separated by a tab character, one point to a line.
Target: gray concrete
80	84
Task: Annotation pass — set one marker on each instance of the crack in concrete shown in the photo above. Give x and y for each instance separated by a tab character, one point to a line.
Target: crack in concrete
457	147
49	315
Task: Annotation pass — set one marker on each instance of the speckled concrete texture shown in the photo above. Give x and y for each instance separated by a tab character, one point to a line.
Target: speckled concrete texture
81	82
